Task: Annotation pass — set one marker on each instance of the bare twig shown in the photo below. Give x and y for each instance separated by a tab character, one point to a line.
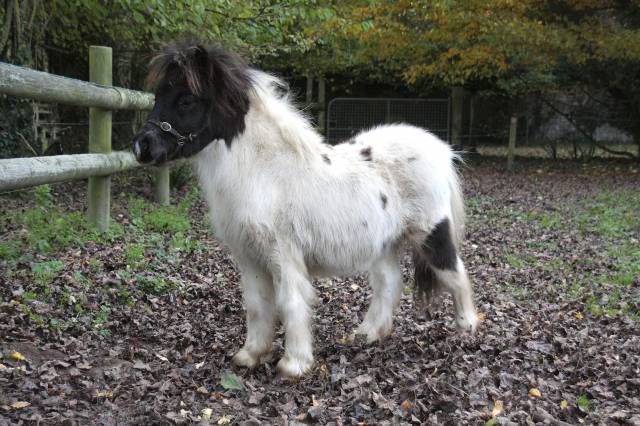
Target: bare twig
583	132
26	142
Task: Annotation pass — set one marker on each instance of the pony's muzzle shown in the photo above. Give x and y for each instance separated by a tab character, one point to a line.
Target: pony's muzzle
147	147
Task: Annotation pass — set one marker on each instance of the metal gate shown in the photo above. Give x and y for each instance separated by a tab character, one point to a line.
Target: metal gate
348	116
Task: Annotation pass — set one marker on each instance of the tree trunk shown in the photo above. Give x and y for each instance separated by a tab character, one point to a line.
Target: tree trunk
457	99
6	29
471	140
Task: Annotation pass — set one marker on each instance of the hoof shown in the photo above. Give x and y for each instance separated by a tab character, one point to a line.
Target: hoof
372	333
468	321
291	368
244	358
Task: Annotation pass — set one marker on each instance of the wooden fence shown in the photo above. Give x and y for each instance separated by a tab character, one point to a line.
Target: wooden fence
101	97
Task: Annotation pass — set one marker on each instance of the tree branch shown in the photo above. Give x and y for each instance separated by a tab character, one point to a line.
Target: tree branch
27	144
583	132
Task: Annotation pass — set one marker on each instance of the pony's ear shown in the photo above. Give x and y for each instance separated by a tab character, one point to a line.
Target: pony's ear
201	58
196	68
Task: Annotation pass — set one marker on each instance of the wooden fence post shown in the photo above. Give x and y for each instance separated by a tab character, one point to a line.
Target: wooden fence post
321	97
309	91
512	142
457	99
161	175
161	190
99	191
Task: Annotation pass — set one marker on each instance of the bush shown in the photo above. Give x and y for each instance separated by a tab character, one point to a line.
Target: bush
16	119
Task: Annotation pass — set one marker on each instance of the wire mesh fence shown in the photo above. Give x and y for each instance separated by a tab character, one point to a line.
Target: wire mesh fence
347	116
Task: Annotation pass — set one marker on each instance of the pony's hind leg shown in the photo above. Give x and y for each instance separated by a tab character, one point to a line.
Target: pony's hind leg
257	287
441	255
385	279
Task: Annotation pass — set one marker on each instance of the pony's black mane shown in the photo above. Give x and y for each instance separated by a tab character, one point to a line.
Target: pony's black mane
220	77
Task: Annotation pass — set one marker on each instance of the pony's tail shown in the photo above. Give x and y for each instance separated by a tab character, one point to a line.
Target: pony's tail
427	285
457	206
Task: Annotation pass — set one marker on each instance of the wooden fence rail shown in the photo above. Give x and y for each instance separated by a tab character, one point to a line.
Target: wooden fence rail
44	87
101	98
18	173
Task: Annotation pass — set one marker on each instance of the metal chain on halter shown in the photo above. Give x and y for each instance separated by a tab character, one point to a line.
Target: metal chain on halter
168	128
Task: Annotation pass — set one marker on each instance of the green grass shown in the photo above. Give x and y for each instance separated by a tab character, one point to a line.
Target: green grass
43	235
515	261
134	254
614	217
611	220
153	284
613	214
44	272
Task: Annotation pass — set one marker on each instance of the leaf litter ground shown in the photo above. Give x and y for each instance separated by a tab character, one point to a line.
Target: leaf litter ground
103	334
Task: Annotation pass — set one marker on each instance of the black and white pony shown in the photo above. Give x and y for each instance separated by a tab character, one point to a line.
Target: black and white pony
291	207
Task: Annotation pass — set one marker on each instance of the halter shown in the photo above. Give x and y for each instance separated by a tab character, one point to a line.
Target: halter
168	128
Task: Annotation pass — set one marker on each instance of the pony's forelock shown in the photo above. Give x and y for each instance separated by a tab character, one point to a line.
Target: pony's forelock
181	56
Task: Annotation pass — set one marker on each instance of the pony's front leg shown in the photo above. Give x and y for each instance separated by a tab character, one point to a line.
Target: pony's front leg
294	297
257	287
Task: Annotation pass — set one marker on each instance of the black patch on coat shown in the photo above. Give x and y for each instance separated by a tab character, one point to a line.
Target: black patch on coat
384	200
326	158
425	281
439	249
366	153
411	159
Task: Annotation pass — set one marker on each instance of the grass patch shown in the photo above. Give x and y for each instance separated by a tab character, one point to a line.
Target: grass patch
154	285
613	214
171	219
45	272
45	235
515	261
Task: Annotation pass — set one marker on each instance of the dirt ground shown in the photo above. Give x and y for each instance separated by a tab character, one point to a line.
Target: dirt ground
558	293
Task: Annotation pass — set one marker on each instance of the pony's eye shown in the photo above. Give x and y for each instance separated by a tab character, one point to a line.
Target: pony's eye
187	101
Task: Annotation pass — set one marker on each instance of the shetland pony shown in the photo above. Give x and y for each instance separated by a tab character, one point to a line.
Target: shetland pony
291	207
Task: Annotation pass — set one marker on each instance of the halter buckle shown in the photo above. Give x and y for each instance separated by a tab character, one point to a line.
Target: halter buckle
165	126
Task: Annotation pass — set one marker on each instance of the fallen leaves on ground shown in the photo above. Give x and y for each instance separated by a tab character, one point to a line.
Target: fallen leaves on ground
156	360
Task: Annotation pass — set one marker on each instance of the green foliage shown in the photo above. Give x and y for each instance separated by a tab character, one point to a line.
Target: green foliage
48	228
134	254
184	243
100	319
95	265
180	175
231	381
258	28
15	127
613	214
515	261
45	272
9	249
495	46
172	218
154	285
584	404
166	219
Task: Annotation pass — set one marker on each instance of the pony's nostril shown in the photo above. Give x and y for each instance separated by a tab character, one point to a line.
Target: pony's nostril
140	146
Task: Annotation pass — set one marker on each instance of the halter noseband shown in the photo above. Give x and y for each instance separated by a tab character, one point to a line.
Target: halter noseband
168	128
